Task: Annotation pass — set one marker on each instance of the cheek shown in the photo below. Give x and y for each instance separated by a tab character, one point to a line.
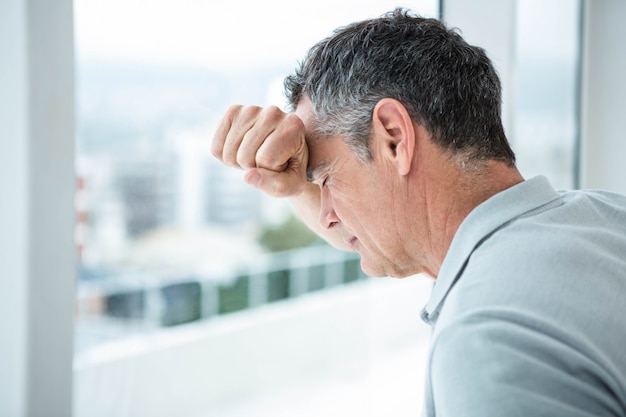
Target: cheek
360	200
363	218
362	197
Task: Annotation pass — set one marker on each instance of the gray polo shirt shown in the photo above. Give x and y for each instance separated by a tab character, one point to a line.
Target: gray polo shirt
529	308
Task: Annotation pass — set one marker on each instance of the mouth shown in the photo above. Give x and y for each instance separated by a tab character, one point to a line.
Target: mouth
352	243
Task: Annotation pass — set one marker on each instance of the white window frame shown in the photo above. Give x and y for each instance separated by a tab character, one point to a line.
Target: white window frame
603	146
37	261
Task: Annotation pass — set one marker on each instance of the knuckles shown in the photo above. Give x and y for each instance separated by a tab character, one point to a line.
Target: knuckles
266	158
245	159
237	130
247	114
271	114
293	124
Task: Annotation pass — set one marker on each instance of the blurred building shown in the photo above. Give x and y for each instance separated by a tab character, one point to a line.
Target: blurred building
147	189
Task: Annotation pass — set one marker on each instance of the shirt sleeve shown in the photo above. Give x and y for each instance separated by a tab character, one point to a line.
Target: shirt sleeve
502	364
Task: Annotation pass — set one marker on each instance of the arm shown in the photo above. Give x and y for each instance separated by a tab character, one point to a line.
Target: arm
271	146
501	363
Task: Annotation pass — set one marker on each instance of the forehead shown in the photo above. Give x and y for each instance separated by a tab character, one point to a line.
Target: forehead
304	110
323	152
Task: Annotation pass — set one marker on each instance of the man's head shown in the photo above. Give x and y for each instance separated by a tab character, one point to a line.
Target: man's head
446	85
402	124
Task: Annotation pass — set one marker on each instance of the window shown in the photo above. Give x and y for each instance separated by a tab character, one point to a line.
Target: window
127	378
197	293
535	47
546	132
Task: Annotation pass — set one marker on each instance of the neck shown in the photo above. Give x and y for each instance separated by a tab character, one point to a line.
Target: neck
450	193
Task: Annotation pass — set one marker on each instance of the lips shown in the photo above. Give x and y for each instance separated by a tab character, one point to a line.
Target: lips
352	242
349	239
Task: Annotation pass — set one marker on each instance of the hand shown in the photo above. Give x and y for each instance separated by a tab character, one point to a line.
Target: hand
268	143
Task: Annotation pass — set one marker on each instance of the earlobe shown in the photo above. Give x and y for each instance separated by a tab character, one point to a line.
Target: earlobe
394	128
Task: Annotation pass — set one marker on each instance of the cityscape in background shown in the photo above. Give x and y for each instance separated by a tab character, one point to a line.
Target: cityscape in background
155	209
165	233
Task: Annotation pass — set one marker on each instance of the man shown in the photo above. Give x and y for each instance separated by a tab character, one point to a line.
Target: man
395	149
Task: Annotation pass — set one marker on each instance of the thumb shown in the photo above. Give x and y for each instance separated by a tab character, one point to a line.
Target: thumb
285	183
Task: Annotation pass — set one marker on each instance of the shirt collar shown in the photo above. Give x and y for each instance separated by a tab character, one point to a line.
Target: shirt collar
478	225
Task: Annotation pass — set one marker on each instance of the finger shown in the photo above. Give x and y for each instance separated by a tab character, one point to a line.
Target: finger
284	145
221	132
267	124
276	184
242	120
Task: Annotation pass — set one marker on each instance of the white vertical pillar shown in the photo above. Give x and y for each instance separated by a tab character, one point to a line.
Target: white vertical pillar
492	26
37	254
13	210
604	96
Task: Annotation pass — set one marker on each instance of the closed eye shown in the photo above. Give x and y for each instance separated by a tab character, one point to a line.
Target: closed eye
314	173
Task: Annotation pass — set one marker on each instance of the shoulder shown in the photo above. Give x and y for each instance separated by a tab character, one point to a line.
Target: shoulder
547	266
538	300
498	363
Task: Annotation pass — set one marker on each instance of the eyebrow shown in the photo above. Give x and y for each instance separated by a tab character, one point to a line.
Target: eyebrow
313	172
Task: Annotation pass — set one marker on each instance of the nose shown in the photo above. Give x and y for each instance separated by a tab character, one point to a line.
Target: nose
328	217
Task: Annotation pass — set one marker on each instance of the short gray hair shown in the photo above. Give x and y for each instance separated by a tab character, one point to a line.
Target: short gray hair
448	86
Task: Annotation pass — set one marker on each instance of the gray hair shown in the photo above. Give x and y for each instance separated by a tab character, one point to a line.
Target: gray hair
448	86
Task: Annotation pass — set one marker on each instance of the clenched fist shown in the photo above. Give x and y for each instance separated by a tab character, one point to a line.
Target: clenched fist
268	143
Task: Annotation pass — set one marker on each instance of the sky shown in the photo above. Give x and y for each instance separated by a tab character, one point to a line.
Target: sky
216	33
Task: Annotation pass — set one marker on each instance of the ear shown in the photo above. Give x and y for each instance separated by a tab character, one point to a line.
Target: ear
395	134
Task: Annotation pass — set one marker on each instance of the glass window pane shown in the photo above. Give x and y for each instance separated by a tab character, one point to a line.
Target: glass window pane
546	89
199	295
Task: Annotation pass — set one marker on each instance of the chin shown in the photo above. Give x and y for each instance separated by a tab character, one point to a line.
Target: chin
369	270
380	271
